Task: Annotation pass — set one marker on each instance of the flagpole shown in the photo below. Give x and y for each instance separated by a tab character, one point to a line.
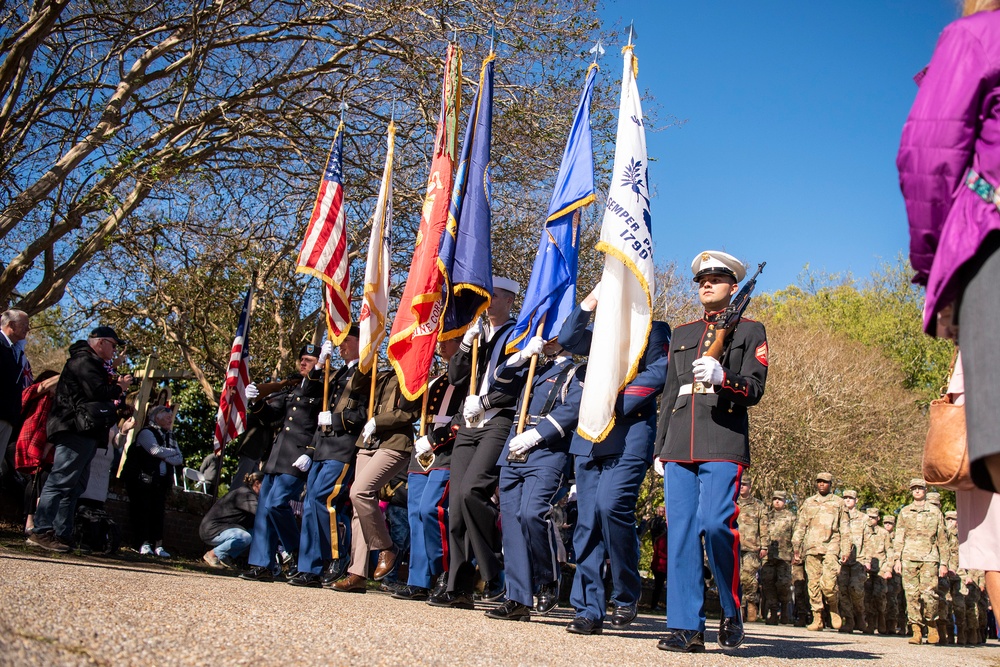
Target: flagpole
527	387
326	362
371	393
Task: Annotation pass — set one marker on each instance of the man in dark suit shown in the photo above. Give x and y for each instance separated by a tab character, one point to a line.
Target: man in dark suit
15	376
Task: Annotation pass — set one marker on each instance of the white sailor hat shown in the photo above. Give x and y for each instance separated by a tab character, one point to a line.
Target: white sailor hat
507	284
714	261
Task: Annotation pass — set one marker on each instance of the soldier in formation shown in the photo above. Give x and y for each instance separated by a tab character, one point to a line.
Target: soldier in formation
851	580
876	558
754	539
776	572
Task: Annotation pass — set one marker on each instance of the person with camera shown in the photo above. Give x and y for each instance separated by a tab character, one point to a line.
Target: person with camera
87	402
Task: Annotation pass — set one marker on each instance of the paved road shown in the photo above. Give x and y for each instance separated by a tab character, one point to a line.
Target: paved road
89	611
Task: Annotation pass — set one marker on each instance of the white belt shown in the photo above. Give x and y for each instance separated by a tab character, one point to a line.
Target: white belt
696	388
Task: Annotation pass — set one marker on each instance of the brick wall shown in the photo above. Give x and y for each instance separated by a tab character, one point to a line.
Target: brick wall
185	510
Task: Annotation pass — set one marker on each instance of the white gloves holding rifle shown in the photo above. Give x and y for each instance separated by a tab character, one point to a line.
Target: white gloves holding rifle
252	392
708	370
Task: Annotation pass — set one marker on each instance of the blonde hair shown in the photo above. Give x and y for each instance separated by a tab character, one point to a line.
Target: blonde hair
976	6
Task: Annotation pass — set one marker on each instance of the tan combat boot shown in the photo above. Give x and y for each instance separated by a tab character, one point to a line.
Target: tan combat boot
917	635
751	612
817	623
932	634
836	622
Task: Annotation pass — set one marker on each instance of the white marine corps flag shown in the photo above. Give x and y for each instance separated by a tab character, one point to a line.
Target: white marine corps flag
624	308
375	302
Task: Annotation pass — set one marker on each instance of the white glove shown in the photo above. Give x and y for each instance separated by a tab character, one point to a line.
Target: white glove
422	445
532	347
325	418
368	430
473	408
708	370
303	463
658	466
474	331
589	302
252	392
326	351
520	444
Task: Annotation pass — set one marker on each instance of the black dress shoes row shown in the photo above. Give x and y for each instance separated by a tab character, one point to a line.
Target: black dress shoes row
510	611
585	626
623	616
683	641
548	598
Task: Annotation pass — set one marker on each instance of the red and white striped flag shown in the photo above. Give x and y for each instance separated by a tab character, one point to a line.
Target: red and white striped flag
324	250
232	418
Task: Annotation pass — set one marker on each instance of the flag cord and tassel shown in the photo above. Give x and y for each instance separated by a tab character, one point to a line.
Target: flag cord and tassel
527	386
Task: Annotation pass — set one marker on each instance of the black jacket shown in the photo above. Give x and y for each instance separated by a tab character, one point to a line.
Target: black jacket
298	423
84	379
10	387
236	509
711	426
348	405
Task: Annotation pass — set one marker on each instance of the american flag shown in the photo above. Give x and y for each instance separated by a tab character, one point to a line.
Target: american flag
232	418
324	250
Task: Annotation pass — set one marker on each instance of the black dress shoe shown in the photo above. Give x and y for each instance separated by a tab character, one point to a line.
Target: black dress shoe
257	573
411	593
510	611
585	626
731	632
456	600
622	617
548	598
334	570
494	590
307	580
683	641
441	585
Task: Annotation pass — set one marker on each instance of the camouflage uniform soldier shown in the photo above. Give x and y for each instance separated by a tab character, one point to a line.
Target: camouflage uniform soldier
972	595
921	549
753	546
982	606
945	611
893	585
851	580
776	573
877	562
823	536
956	595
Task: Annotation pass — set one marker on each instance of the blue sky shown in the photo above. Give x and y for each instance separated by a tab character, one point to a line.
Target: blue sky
793	114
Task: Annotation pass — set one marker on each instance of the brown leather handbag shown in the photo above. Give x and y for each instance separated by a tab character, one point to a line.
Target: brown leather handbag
946	451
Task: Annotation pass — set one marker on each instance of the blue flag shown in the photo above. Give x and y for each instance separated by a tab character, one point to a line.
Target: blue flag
551	293
465	257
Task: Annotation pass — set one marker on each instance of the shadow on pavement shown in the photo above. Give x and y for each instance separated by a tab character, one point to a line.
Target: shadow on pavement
75	562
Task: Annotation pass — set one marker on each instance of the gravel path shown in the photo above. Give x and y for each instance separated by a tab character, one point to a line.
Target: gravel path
88	611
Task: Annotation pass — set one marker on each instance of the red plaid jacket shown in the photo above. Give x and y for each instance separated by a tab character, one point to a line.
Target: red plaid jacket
31	441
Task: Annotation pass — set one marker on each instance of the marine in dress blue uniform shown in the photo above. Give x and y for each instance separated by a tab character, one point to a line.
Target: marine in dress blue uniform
428	489
532	471
608	476
703	436
283	479
333	451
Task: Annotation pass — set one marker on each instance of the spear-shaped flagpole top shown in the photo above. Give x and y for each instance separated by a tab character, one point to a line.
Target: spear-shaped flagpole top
454	35
343	109
493	34
597	50
632	34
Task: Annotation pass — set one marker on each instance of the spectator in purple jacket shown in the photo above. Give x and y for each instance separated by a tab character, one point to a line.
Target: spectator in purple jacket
949	167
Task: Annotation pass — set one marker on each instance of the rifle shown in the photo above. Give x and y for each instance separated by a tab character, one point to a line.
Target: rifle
265	389
732	314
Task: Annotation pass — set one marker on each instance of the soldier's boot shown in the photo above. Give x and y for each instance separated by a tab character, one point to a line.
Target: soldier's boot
751	612
947	630
772	615
960	636
817	623
917	634
932	634
890	625
870	625
836	622
846	624
880	624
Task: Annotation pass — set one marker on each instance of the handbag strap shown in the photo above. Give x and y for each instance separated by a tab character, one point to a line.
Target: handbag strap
951	372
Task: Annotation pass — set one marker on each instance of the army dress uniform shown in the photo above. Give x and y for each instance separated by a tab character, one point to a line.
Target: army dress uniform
333	451
754	538
920	546
876	558
703	436
852	577
275	520
608	476
823	537
528	487
473	532
427	505
776	572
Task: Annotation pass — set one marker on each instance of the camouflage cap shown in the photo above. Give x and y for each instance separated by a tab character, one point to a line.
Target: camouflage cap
824	477
917	482
934	498
951	514
746	480
779	495
851	493
889	518
872	512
